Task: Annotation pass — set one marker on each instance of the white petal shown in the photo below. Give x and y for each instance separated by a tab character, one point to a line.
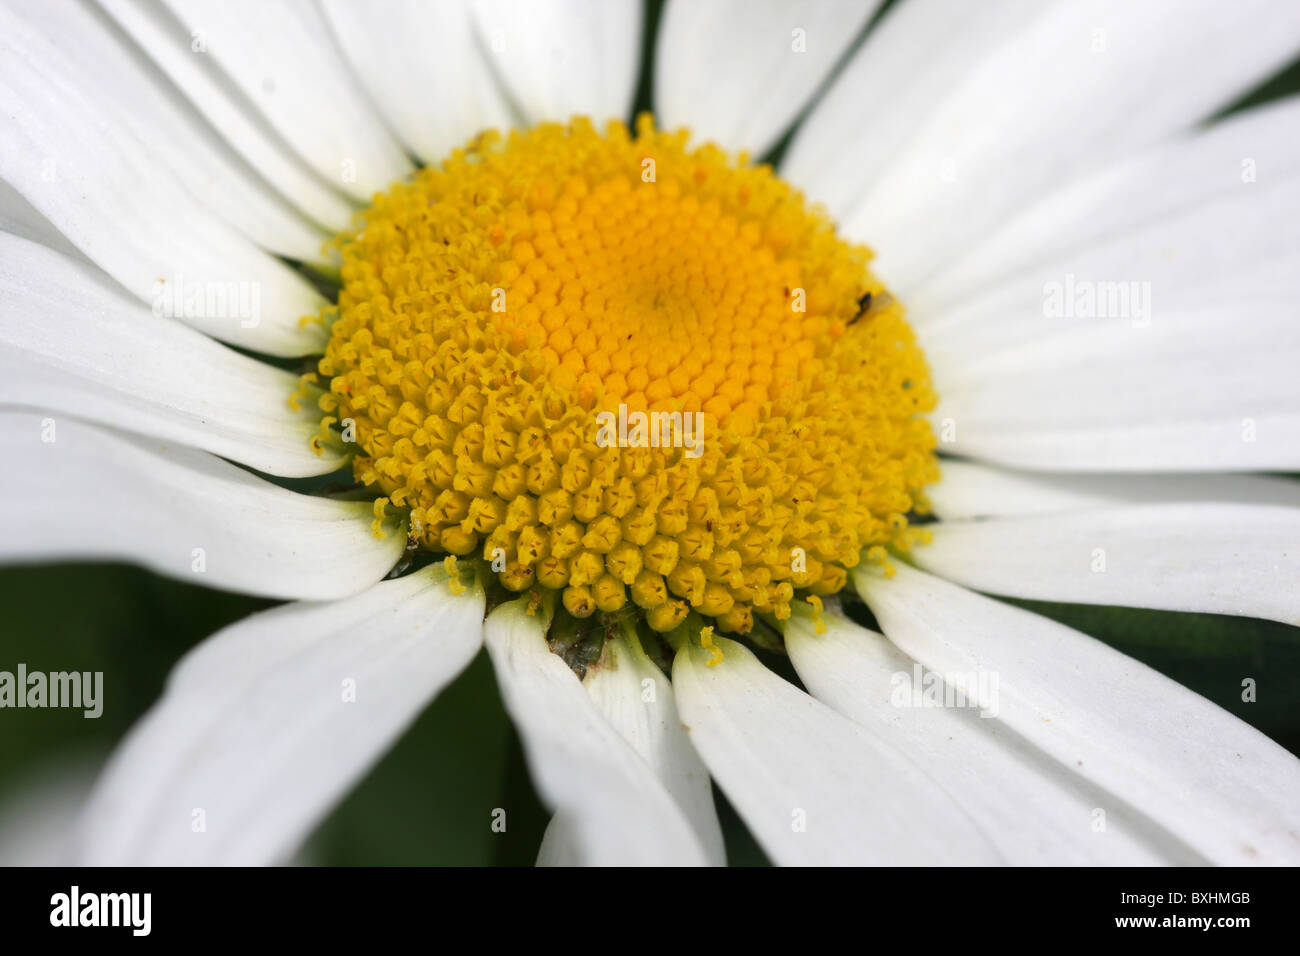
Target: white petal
610	806
75	491
85	176
71	341
919	53
637	699
184	59
1211	780
124	86
1258	145
1193	386
1213	558
1078	86
433	87
814	787
268	723
1223	251
281	56
969	490
564	57
739	71
1219	443
18	217
1034	810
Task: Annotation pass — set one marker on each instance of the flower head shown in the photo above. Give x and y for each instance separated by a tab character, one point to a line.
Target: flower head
499	311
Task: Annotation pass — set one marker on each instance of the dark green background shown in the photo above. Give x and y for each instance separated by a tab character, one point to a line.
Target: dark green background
431	798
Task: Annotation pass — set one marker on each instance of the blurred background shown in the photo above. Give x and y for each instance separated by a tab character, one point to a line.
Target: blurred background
431	798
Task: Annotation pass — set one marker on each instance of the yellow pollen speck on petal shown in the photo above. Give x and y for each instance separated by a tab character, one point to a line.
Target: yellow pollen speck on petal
534	603
304	389
706	642
323	435
818	614
879	557
450	565
629	372
381	513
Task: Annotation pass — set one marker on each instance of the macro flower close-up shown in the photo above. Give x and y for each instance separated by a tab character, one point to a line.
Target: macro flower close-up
604	432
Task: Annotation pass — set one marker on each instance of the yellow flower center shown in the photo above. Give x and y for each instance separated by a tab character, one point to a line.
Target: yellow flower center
630	371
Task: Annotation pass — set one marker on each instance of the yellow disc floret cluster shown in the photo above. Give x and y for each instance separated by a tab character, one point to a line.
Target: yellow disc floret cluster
496	305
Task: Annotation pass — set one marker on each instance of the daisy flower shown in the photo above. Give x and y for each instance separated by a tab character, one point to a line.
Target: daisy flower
1010	317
